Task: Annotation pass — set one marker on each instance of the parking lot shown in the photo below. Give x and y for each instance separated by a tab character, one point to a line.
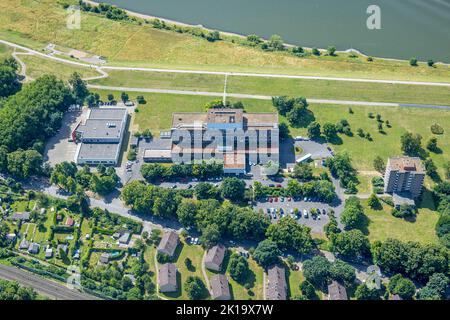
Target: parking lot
282	206
59	148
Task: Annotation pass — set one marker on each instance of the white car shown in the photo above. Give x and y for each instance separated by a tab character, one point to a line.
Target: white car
305	213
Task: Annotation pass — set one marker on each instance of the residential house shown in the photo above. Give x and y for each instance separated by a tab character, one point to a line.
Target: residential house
169	243
167	278
214	257
276	286
336	291
220	288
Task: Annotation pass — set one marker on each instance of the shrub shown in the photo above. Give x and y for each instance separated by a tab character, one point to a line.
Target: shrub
437	129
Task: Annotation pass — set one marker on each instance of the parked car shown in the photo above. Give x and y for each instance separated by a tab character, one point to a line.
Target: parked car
305	213
324	211
271	185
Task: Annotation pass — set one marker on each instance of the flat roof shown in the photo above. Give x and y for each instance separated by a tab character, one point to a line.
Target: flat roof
406	164
98	151
107	113
154	153
268	120
225	116
93	129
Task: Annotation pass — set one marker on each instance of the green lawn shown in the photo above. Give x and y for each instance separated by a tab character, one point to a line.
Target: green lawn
381	225
339	90
37	67
195	253
36	24
319	89
163	80
295	278
5	51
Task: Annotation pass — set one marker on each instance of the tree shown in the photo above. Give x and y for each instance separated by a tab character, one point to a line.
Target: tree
266	253
276	43
315	51
9	82
374	202
435	288
124	97
238	267
79	88
110	97
288	234
23	164
254	40
331	50
430	62
307	290
404	287
314	130
364	293
411	144
413	62
343	272
329	131
341	166
186	212
204	190
379	165
352	244
302	171
233	189
353	213
195	288
12	290
317	271
432	145
446	168
210	235
430	168
213	36
331	228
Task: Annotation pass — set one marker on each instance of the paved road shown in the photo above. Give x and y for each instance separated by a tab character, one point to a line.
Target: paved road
42	285
243	74
262	97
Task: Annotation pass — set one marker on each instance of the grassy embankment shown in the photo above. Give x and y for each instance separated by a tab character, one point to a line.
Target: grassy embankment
35	24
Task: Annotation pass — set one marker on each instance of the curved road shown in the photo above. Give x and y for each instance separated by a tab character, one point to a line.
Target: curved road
42	285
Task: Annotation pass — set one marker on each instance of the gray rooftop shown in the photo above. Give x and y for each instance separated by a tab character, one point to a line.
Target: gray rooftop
220	287
107	113
337	291
97	129
215	255
98	151
167	274
276	288
169	243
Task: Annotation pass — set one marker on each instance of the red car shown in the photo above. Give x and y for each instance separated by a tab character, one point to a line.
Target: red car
276	199
279	185
289	199
270	200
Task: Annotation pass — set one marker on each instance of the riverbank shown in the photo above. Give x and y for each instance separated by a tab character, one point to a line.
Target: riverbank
235	34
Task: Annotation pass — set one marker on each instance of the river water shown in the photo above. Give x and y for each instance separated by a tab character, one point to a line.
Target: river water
408	28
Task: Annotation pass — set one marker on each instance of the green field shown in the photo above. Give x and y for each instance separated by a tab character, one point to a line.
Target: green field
381	225
319	89
37	67
163	80
36	24
5	51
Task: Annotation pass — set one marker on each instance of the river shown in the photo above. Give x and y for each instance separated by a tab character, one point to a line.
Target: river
408	28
